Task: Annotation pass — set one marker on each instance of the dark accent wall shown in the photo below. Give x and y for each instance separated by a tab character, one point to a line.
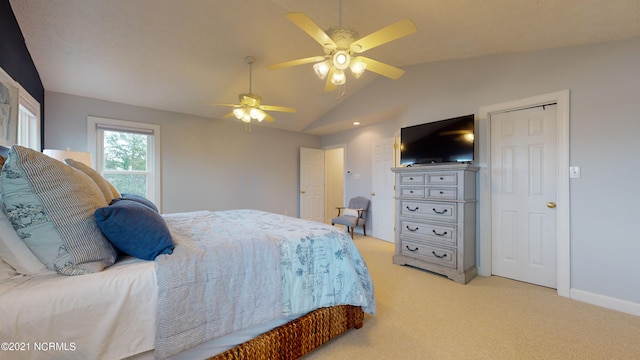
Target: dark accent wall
16	60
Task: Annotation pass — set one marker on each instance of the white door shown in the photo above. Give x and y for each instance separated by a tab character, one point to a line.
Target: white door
333	182
524	191
312	184
382	204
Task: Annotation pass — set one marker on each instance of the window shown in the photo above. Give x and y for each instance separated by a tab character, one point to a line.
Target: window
127	154
20	127
28	121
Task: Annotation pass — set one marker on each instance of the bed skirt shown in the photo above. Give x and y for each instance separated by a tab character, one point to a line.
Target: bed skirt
298	337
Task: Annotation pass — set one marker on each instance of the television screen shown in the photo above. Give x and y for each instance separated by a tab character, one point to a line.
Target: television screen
443	141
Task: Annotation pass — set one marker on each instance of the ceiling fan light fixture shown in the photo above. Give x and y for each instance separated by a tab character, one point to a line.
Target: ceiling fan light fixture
341	59
238	113
338	77
322	68
358	67
257	114
340	44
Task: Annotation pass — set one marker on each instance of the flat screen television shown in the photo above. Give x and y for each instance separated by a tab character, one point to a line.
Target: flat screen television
444	141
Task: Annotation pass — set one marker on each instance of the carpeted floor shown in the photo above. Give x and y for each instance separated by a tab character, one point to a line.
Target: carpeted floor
421	315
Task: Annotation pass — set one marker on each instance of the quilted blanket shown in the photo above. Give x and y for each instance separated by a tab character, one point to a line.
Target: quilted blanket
234	269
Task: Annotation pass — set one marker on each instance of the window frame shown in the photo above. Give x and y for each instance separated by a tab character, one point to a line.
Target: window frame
33	130
19	96
94	146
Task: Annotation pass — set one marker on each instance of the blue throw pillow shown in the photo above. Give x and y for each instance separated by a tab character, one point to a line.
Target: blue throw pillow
135	229
136	198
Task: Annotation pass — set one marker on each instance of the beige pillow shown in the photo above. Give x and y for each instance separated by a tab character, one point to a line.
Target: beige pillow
109	191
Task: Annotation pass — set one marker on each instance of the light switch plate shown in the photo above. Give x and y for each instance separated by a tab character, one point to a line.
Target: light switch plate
574	172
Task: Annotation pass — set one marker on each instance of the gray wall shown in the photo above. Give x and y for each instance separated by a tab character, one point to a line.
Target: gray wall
207	164
604	81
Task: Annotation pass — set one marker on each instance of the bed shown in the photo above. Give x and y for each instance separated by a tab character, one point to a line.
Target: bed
235	284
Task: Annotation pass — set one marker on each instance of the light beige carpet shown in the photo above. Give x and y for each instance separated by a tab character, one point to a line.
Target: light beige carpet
421	315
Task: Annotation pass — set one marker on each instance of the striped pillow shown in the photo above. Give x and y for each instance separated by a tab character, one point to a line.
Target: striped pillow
51	206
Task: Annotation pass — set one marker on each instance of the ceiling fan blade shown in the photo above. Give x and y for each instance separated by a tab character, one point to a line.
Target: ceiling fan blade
383	69
269	118
392	32
307	25
229	115
329	86
234	105
277	108
296	62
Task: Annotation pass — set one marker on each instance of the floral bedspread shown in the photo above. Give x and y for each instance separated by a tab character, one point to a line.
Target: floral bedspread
237	268
320	264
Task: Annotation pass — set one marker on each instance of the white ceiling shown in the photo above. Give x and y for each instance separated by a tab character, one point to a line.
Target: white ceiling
180	55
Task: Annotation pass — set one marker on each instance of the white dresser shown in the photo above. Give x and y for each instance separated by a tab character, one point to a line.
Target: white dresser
436	219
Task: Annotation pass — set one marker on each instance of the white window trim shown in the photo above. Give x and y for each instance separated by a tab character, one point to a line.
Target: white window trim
31	104
24	98
92	141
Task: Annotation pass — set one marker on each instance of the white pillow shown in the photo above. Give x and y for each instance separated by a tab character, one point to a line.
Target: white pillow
16	253
350	212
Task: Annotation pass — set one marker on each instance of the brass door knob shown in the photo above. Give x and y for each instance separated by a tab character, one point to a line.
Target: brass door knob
551	205
302	191
373	194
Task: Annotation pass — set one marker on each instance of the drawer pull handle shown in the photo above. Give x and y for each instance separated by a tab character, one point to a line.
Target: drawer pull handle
414	229
441	234
410	249
410	209
441	178
439	212
410	178
410	191
438	256
441	192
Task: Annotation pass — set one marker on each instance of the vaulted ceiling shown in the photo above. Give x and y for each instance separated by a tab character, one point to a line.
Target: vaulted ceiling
182	55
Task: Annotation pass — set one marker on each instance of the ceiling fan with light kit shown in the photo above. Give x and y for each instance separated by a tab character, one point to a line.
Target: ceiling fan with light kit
250	105
342	46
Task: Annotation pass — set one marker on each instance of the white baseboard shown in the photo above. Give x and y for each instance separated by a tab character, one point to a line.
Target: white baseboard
606	302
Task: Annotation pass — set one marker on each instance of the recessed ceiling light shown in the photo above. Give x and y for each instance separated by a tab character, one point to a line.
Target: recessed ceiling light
356	123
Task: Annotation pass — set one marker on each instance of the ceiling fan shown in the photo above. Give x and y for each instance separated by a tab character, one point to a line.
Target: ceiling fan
250	106
341	46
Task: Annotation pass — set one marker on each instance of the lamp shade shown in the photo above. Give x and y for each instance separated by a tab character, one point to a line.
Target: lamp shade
83	157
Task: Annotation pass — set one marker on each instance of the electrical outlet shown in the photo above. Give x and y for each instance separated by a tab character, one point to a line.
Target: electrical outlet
574	172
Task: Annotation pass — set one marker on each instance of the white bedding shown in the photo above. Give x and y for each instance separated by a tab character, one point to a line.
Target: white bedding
45	304
49	311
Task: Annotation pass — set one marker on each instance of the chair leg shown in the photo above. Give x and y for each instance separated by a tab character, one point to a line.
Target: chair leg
364	229
352	231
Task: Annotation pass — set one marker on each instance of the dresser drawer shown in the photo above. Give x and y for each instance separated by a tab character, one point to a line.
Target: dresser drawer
412	179
412	192
426	252
442	193
429	210
442	179
445	235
